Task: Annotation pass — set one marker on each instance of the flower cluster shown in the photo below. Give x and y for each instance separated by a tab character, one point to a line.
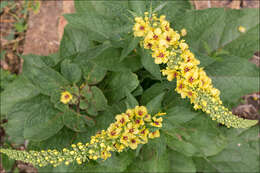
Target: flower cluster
168	48
131	128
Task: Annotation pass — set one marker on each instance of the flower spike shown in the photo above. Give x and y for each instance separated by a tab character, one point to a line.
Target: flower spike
168	48
130	129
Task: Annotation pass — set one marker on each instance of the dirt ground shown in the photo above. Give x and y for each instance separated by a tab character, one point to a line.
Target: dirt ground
38	28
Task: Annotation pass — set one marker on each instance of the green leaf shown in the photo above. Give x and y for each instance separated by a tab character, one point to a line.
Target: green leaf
166	8
92	100
64	138
199	137
222	30
138	91
154	106
155	90
51	60
236	72
130	101
89	22
75	121
150	162
6	163
42	76
139	7
5	79
20	26
71	71
240	155
110	60
178	115
158	145
181	163
117	81
92	73
149	65
204	59
111	9
98	102
43	120
133	42
74	40
99	28
116	163
241	44
19	90
16	120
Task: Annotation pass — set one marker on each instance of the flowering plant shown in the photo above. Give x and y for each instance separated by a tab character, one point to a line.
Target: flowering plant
110	61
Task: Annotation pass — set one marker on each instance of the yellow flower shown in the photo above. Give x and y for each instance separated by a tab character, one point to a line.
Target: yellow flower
162	18
147	118
105	154
161	56
143	135
215	92
113	131
133	142
148	43
186	67
241	29
190	94
139	122
191	77
183	32
181	88
154	134
130	113
160	114
157	122
183	46
165	25
119	147
171	74
122	119
95	157
140	111
132	128
171	37
140	28
125	139
79	161
157	119
204	103
157	31
65	97
204	82
163	44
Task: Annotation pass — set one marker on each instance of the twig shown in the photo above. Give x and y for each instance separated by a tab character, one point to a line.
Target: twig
13	41
7	21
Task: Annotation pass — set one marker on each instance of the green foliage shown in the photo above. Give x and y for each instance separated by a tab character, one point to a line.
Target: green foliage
70	71
148	63
107	72
5	78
